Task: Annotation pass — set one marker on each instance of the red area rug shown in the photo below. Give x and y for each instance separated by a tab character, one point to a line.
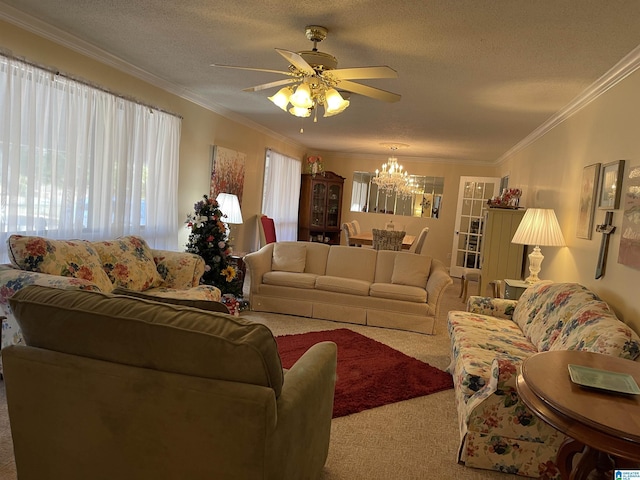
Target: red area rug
370	373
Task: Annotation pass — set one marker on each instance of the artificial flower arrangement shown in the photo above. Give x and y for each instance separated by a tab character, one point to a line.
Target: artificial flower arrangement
208	238
314	165
510	198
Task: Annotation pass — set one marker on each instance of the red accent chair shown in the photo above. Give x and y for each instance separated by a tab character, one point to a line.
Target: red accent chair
267	230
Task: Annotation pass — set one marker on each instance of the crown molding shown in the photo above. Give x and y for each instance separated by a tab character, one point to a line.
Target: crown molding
56	35
621	70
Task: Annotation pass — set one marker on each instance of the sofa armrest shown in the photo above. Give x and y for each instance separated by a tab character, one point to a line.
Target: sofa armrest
497	411
305	409
438	281
495	307
180	270
258	264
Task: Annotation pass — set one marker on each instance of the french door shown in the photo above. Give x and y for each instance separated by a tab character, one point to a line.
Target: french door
466	254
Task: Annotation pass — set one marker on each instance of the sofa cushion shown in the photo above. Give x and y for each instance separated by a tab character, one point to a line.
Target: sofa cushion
343	285
67	258
128	261
544	308
289	279
411	269
148	334
289	257
349	262
595	328
175	299
406	293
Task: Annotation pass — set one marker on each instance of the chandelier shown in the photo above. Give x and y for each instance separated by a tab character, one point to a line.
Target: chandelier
311	92
391	179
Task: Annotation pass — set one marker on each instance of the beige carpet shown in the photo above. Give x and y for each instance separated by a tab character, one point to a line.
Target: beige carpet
415	439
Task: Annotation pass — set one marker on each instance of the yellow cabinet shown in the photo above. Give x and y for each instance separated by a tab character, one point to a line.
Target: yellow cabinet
500	258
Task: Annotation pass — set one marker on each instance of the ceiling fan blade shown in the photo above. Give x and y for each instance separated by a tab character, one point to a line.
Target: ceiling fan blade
297	61
368	91
253	69
363	73
264	86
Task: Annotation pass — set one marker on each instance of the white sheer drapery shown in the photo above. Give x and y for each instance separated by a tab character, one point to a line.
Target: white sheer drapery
281	193
79	162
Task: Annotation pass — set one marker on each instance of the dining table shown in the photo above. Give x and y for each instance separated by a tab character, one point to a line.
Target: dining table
366	238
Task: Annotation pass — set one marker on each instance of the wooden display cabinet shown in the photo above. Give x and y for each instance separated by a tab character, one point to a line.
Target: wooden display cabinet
320	208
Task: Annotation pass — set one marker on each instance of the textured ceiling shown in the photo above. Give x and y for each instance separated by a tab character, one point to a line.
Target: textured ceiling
476	77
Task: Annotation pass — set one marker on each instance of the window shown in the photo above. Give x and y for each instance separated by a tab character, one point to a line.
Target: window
79	162
281	193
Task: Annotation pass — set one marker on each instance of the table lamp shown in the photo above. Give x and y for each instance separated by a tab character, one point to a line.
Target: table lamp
539	226
230	206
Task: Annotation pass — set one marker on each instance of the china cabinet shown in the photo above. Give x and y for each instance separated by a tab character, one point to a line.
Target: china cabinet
320	207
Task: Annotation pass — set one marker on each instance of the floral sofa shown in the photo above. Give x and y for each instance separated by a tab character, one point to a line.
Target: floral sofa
126	265
490	340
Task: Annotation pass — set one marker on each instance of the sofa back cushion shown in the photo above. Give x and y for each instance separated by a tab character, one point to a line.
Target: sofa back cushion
544	308
66	258
595	328
147	334
317	254
350	262
289	257
128	261
411	269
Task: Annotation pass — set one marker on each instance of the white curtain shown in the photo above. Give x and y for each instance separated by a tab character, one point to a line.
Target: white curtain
78	162
281	193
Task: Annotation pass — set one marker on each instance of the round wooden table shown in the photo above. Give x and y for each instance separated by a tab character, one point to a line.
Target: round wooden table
600	423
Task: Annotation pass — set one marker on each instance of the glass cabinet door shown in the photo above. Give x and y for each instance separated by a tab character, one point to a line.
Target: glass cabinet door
318	204
333	205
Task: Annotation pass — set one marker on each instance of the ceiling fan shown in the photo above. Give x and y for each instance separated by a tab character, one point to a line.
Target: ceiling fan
319	81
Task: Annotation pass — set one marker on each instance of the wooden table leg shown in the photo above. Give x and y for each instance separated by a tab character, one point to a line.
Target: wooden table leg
591	464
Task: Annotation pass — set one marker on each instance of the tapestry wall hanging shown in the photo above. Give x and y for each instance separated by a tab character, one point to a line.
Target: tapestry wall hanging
227	172
629	252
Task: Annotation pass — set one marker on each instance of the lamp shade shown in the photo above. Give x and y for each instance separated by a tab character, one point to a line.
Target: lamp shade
539	226
230	206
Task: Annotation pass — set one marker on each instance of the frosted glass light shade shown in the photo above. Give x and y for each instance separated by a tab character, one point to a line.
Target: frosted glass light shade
334	103
281	97
302	97
230	206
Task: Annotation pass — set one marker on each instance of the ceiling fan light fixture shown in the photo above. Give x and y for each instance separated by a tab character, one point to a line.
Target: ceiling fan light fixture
302	97
334	103
281	97
300	111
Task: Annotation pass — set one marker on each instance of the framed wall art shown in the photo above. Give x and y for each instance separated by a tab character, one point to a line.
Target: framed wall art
629	252
227	172
588	191
611	185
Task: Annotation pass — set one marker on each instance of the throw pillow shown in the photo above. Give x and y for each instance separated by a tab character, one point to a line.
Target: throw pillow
289	257
66	258
411	269
128	261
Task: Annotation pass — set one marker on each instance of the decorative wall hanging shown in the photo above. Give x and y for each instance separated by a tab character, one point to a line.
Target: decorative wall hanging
610	185
227	172
588	191
629	252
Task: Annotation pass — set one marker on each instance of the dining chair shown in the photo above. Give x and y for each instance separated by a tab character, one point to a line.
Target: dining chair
356	227
387	239
347	228
419	243
267	230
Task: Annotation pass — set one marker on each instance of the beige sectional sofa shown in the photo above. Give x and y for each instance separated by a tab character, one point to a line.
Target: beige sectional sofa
348	284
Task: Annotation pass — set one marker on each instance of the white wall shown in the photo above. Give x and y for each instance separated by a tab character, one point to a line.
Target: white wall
550	170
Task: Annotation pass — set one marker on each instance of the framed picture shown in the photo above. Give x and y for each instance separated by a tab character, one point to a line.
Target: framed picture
227	172
588	190
629	252
611	185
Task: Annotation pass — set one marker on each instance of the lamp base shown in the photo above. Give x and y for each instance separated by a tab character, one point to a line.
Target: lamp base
535	261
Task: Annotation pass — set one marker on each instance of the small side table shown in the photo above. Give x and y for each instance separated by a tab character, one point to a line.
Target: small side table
514	288
599	423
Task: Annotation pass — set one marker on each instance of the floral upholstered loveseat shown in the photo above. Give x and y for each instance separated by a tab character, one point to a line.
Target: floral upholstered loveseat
491	339
126	265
